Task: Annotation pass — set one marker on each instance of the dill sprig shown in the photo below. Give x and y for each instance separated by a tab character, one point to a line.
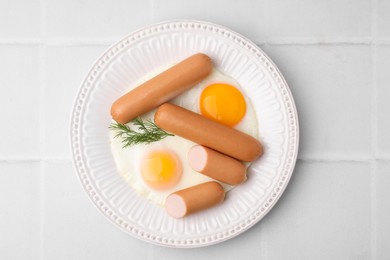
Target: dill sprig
148	132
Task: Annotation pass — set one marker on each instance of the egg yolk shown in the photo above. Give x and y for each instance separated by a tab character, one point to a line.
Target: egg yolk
161	169
222	103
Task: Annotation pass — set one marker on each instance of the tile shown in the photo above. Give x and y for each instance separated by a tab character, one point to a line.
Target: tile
19	83
65	69
95	19
383	19
383	105
73	228
323	214
19	19
383	210
331	86
318	20
20	210
246	17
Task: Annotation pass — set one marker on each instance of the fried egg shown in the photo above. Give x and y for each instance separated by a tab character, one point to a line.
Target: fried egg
157	169
221	98
160	168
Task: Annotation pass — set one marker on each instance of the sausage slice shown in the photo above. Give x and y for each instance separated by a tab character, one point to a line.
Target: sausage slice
216	165
193	199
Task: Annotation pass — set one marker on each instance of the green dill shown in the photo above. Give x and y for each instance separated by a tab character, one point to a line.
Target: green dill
146	132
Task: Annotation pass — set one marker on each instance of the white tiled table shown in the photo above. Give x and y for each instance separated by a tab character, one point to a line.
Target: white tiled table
335	55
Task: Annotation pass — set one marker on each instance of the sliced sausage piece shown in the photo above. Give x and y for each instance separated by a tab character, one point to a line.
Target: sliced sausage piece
207	132
193	199
161	88
216	165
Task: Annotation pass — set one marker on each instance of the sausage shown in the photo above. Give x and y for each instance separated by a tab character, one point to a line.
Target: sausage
207	132
193	199
161	88
216	165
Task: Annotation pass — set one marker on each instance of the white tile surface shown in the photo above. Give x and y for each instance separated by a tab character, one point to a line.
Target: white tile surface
335	56
95	19
383	210
73	228
20	19
319	20
383	106
65	69
250	13
331	89
324	214
19	210
20	87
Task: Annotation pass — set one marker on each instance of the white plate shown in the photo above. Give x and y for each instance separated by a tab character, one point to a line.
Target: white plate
146	50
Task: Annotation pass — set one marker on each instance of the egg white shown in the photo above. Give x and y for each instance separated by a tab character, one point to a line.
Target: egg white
128	159
190	101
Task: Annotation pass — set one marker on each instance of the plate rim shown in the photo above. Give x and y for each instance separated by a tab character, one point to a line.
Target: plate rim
75	125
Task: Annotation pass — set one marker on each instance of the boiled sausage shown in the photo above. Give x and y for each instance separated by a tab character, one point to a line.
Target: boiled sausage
216	165
206	132
202	196
161	88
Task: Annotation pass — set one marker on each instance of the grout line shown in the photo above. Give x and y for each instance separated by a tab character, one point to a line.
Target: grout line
382	41
42	56
346	160
41	146
382	160
20	41
314	41
42	209
374	128
53	159
35	159
373	224
59	160
19	160
340	158
110	41
327	160
78	42
264	237
59	42
374	97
